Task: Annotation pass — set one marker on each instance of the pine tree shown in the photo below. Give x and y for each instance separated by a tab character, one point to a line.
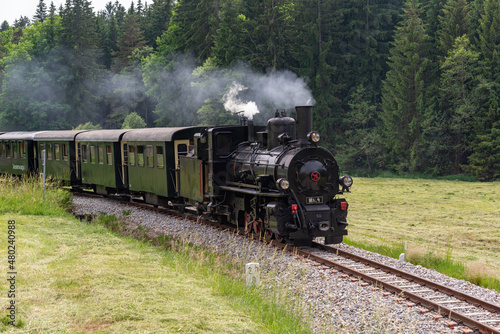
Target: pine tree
404	94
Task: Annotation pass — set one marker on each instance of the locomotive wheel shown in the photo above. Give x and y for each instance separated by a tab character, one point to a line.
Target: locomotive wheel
280	238
257	226
249	221
269	235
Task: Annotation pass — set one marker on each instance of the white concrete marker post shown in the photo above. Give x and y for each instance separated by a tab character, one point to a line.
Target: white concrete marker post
252	273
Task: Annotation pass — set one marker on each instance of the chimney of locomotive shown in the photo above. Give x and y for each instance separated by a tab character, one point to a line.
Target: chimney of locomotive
250	131
304	123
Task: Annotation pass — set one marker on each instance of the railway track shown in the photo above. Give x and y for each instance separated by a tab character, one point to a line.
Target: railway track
454	307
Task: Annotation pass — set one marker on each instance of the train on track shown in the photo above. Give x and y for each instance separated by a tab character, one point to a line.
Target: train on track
272	180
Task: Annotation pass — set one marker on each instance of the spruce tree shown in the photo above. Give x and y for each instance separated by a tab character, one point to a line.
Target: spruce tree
459	81
404	94
131	39
455	22
41	12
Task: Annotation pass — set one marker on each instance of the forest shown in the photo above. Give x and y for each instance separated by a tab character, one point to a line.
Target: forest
402	86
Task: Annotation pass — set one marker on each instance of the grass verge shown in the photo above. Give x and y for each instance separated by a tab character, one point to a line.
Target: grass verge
75	277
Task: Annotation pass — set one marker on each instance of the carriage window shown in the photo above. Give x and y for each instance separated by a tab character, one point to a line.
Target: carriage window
49	151
109	155
149	155
56	152
223	143
22	149
65	152
92	154
140	155
14	150
159	156
1	150
7	149
100	156
131	155
85	153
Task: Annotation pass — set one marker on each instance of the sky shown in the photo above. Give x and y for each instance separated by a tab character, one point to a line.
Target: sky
13	9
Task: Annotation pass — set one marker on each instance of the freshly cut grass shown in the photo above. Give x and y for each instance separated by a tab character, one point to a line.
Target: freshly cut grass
78	278
74	277
452	224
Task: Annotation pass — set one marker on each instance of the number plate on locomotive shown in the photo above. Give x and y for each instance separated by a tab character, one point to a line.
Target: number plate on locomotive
314	200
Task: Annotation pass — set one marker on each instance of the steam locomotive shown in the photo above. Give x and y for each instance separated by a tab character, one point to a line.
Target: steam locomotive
271	180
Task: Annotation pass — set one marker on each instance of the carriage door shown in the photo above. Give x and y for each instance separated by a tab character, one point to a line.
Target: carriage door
125	164
180	149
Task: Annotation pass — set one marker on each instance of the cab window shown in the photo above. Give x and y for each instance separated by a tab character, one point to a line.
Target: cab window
223	143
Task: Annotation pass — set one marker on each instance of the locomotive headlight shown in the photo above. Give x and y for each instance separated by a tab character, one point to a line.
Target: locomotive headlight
313	137
346	181
283	184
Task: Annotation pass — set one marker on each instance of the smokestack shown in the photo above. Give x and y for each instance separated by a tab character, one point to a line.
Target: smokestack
304	123
250	131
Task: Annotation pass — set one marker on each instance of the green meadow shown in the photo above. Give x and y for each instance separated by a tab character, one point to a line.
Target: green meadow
452	226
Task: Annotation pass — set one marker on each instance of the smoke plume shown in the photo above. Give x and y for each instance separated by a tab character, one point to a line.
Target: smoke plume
234	105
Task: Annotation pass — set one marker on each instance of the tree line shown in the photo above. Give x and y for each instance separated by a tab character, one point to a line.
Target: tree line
406	86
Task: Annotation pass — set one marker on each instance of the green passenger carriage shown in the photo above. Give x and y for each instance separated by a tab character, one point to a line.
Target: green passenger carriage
98	161
60	154
152	156
17	153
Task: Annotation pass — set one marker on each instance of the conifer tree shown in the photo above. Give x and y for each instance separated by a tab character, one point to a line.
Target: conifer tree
459	81
455	22
41	12
131	39
404	94
157	18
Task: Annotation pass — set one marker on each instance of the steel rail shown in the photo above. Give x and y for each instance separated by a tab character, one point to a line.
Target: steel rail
467	321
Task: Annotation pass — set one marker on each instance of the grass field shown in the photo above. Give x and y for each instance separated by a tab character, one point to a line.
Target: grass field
75	277
448	221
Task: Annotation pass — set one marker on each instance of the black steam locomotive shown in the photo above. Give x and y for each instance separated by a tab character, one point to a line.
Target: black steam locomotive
272	180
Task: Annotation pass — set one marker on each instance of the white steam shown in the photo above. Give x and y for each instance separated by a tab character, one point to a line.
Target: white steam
234	104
